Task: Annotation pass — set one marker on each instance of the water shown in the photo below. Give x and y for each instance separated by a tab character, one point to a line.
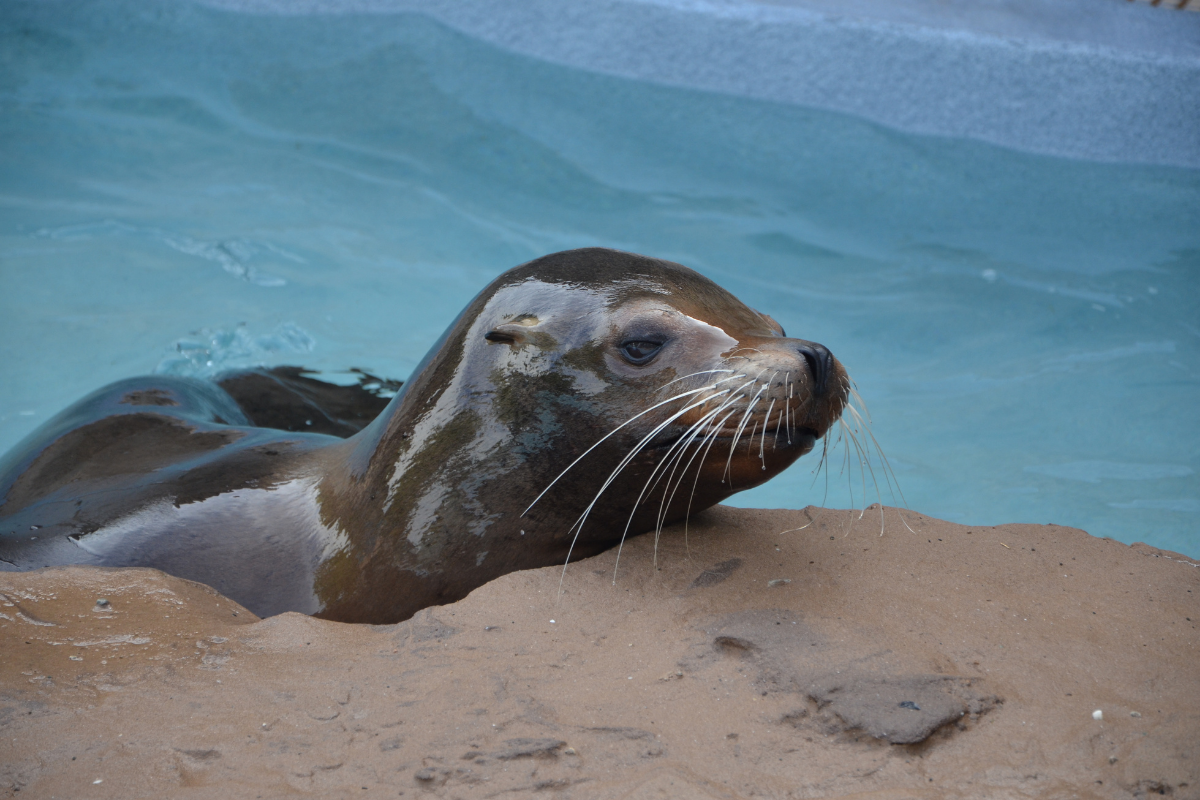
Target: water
188	190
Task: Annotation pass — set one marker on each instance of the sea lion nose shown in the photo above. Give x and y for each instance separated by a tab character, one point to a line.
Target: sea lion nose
820	363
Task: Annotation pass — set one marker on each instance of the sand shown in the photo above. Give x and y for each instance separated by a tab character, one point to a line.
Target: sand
945	661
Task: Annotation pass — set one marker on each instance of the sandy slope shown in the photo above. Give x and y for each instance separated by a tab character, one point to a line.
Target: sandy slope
948	661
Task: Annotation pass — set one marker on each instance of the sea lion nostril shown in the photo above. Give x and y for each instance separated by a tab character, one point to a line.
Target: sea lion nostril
820	363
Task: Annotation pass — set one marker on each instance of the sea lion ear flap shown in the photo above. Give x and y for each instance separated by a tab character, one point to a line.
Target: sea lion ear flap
515	332
506	334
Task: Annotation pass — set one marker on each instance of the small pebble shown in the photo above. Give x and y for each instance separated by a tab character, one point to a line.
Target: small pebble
1097	714
779	582
102	602
1135	714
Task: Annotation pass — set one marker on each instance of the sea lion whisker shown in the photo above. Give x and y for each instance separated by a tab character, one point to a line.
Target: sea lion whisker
762	456
711	438
742	424
667	460
738	437
711	434
852	390
862	467
885	467
788	406
733	377
669	492
811	519
694	374
691	435
638	502
849	436
578	524
865	467
641	445
843	440
609	435
844	437
762	443
824	462
733	396
707	444
749	410
676	448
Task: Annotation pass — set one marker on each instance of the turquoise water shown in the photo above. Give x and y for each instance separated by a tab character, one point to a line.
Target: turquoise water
186	190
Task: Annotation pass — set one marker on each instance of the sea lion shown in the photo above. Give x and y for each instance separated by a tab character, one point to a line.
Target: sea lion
579	398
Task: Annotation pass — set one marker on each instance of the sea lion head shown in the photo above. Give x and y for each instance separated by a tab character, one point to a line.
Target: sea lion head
601	370
678	361
581	397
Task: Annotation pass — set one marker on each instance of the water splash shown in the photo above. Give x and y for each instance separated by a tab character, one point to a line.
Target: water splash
209	351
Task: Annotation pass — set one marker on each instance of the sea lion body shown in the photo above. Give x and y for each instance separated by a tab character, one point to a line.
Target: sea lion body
581	397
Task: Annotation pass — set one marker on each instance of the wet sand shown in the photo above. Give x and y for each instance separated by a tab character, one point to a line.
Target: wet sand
945	661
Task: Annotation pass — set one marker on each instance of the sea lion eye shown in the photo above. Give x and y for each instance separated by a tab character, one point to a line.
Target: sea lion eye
640	351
